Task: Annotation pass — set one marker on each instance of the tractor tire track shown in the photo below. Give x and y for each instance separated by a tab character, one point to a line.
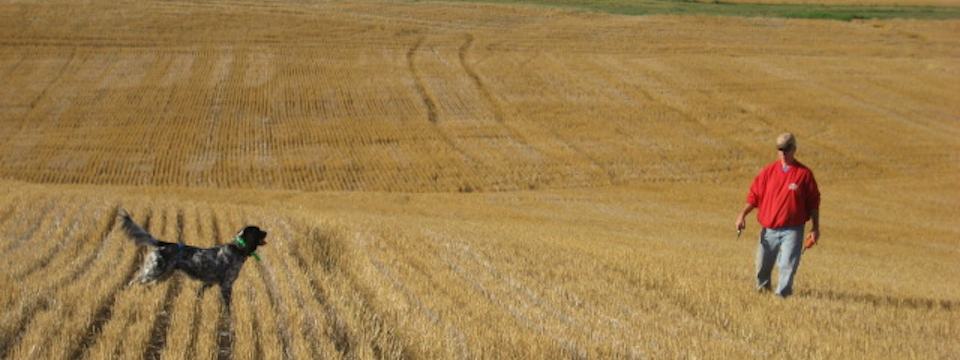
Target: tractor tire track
419	83
500	116
469	163
56	78
14	68
498	112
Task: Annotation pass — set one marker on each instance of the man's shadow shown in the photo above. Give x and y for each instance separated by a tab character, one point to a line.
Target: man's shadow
880	300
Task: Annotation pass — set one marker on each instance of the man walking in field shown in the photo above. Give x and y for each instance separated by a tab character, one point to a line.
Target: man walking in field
786	196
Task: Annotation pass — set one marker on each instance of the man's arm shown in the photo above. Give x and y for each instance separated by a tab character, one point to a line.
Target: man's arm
741	220
815	230
813	204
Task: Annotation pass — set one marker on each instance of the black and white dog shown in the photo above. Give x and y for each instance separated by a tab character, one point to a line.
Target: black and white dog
216	265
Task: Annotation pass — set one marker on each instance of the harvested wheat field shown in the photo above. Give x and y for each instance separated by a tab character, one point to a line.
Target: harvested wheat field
464	181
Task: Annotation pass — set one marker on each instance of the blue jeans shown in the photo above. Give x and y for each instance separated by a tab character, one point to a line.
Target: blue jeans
780	247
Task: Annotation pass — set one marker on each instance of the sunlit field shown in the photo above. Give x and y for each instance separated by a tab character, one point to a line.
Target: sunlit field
470	181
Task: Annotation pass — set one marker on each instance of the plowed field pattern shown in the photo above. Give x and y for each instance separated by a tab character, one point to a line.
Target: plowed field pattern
92	261
341	97
463	181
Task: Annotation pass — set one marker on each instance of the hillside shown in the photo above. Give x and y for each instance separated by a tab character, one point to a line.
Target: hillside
461	181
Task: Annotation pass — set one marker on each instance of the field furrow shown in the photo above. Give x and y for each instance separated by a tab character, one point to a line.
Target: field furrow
57	300
298	311
182	342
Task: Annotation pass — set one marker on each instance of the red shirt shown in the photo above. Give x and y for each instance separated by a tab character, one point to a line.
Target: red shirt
784	198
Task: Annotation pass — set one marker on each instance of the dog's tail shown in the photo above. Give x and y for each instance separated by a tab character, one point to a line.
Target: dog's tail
135	232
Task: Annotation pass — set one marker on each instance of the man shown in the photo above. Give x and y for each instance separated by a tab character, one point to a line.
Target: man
786	195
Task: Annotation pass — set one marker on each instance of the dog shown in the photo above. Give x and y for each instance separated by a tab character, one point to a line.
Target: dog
218	265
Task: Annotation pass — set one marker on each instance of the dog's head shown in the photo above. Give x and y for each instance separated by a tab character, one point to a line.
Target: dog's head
252	236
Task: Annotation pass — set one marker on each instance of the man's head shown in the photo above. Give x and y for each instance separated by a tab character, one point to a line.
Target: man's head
787	147
786	143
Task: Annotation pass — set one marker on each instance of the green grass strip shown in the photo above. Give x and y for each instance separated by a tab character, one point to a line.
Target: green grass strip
719	8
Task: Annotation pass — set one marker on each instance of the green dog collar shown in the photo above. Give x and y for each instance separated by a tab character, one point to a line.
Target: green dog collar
244	244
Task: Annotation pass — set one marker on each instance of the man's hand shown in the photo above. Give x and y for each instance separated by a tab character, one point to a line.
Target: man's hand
815	230
812	239
741	222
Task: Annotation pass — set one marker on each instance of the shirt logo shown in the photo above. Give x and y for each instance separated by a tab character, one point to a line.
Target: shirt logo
794	187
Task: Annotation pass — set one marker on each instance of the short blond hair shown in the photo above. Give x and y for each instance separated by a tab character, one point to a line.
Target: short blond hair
786	141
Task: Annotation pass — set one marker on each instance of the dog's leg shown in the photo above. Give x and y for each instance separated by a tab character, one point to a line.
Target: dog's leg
225	296
202	289
226	289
